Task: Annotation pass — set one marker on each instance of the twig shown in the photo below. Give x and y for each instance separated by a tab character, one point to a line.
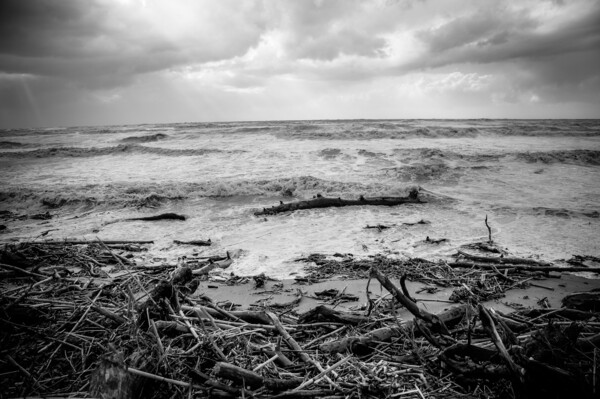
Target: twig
489	230
322	374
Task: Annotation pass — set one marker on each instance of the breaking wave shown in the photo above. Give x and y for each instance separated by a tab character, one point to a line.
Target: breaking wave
81	152
152	195
7	145
580	157
145	139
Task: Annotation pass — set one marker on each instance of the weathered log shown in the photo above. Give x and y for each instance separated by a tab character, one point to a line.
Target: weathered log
221	264
503	260
526	268
200	243
82	242
162	216
358	344
323	202
322	313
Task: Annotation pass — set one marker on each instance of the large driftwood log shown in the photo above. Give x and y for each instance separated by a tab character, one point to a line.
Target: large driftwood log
384	334
503	259
323	202
525	268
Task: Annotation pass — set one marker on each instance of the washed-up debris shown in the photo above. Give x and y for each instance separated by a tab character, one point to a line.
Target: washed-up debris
144	332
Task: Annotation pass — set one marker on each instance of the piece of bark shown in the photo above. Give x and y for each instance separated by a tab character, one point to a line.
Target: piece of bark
323	202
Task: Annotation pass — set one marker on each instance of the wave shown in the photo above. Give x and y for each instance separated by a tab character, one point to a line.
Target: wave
580	157
408	129
145	139
6	145
152	195
81	152
563	213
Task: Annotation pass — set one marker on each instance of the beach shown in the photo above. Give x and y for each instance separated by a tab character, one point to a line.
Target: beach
371	250
536	181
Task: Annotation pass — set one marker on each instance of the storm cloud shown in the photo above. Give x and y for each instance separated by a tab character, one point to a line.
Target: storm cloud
128	61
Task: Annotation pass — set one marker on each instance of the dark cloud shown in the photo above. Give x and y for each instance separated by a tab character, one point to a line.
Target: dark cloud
104	44
503	36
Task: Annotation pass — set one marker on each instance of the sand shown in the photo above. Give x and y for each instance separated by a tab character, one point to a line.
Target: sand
246	296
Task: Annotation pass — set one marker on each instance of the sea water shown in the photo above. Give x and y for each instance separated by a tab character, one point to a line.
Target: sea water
537	181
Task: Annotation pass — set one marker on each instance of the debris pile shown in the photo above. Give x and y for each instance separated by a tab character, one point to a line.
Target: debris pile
83	320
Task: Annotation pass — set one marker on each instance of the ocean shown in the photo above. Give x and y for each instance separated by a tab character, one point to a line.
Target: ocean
538	182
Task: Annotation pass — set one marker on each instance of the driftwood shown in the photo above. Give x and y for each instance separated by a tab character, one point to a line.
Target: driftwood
323	202
220	264
526	268
86	242
503	259
432	320
56	327
360	344
200	243
323	314
162	216
253	380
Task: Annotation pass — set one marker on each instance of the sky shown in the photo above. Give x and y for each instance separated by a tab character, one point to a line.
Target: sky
106	62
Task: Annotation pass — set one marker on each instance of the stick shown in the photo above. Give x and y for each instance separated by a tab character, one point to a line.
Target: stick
163	379
412	307
488	324
294	345
489	231
322	374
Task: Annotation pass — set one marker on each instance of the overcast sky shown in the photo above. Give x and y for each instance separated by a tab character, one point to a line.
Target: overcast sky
97	62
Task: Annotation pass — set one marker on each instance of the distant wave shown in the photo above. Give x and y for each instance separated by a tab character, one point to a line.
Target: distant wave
562	213
140	195
80	152
581	157
367	132
407	129
6	145
145	139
